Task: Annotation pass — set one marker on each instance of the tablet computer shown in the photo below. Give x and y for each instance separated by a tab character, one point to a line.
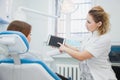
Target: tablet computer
53	41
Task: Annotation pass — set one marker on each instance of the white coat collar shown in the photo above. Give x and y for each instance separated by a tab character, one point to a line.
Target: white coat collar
95	34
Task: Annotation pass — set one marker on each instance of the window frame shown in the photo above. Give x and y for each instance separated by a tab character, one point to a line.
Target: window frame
67	19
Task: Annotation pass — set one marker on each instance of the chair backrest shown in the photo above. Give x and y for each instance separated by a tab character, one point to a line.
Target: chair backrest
12	44
15	41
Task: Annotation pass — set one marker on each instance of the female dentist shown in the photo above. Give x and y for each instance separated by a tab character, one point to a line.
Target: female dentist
93	55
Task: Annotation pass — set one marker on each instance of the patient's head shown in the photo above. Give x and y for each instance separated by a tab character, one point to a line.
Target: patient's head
21	26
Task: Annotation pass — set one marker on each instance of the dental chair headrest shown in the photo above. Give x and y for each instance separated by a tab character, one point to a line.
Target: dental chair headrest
12	42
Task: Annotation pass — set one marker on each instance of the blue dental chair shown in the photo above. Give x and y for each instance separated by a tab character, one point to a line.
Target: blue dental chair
13	44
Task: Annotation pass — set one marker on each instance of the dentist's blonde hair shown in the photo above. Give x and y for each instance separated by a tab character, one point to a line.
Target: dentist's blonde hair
99	15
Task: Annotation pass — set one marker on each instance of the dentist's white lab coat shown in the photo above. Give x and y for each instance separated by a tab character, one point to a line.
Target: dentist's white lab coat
99	66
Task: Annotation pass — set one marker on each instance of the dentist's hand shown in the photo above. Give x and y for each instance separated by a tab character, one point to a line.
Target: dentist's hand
62	47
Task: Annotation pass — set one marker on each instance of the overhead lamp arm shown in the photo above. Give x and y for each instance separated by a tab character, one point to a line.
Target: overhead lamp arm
37	12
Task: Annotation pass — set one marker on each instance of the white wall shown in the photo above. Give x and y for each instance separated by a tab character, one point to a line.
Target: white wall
113	8
3	8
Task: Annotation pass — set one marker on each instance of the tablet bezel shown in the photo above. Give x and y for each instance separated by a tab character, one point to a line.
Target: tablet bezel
50	38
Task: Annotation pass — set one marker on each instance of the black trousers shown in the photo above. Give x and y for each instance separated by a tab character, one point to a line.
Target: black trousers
62	77
116	69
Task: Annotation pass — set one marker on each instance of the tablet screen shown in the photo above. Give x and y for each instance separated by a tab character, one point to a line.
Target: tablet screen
53	41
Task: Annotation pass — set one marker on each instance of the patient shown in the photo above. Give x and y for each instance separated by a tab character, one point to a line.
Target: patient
21	26
25	28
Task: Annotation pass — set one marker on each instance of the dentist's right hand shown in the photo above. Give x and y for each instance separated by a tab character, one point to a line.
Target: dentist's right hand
62	47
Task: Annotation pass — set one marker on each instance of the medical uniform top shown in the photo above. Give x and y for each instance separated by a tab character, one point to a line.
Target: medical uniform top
99	65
